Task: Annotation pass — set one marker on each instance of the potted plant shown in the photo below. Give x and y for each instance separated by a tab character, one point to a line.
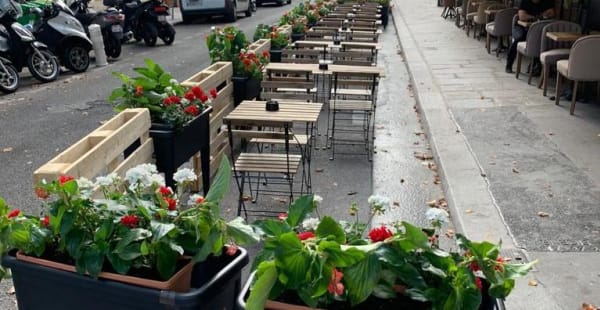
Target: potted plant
180	116
126	248
230	44
279	40
319	262
299	29
312	17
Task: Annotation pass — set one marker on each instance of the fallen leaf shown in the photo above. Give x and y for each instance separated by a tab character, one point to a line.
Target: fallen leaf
550	133
7	150
432	203
228	210
395	203
319	170
586	306
246	198
281	200
450	233
468	211
482	97
418	133
334	184
423	156
515	170
416	143
351	193
532	283
11	290
543	214
380	127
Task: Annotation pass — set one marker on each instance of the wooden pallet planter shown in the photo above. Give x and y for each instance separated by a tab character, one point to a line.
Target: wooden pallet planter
286	29
101	151
260	46
218	76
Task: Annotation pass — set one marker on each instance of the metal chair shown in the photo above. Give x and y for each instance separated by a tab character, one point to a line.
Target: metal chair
501	27
449	10
582	65
552	51
531	46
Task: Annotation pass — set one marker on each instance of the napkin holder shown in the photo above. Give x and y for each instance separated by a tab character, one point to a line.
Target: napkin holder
323	65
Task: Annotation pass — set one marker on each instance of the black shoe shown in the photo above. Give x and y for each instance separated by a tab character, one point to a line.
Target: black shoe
508	70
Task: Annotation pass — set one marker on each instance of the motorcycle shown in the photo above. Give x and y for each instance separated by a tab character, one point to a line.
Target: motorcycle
147	20
63	33
9	77
18	45
111	24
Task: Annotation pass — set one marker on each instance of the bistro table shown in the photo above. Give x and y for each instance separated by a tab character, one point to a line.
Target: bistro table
342	45
314	68
563	36
525	24
254	113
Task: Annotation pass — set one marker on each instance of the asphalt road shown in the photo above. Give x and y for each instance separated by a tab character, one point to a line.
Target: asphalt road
40	120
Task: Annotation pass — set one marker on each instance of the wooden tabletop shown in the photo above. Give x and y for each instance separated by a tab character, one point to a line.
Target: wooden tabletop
350	30
491	12
563	36
524	23
330	44
253	113
308	43
314	68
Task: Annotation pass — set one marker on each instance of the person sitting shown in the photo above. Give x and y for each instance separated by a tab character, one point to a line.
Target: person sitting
529	10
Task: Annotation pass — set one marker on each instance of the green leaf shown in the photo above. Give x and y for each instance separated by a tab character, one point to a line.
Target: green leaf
132	235
165	79
362	278
166	260
415	238
70	187
67	222
130	252
104	230
292	259
208	245
73	242
330	227
119	265
159	230
299	209
514	271
272	227
147	73
502	289
177	248
144	248
266	278
146	83
241	232
337	257
116	93
93	259
220	184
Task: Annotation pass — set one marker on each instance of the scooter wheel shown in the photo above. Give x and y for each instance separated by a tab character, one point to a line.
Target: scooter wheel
150	34
43	65
168	34
113	48
9	80
77	58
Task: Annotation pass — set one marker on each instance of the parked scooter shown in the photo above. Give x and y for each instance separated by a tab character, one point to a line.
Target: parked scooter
18	45
111	24
9	77
146	20
65	36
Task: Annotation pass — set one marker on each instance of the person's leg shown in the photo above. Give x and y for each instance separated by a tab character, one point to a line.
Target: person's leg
519	34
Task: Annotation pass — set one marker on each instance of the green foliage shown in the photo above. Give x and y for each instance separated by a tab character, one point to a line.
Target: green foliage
139	223
278	39
325	261
225	44
157	90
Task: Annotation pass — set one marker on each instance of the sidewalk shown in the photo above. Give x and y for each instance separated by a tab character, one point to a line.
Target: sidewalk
505	154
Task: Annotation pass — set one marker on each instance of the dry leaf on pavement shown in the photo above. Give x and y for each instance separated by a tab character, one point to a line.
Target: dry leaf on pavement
396	204
469	211
543	214
586	306
432	203
7	150
11	290
515	170
351	193
450	233
532	283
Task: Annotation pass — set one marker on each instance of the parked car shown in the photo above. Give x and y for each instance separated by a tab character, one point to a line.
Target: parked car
278	2
229	8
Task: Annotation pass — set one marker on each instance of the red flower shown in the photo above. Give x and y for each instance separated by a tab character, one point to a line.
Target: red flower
231	249
175	99
41	193
213	93
306	235
247	62
474	266
197	91
193	110
478	283
139	90
165	191
499	263
172	203
282	216
204	98
130	221
45	221
200	200
167	101
64	179
190	96
13	213
380	233
335	285
266	54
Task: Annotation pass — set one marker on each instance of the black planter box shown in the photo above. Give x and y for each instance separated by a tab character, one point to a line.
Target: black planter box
385	16
487	302
297	36
174	147
275	55
244	89
216	284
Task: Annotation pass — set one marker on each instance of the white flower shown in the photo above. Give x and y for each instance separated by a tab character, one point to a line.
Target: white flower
311	223
184	175
144	174
213	28
84	183
379	201
158	179
107	180
173	81
317	199
437	215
